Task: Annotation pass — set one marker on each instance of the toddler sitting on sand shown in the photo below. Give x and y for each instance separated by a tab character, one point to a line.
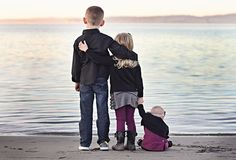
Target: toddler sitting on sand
155	129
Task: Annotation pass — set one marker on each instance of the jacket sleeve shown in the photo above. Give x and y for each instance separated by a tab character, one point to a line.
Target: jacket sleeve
141	110
99	59
139	81
76	64
167	133
121	51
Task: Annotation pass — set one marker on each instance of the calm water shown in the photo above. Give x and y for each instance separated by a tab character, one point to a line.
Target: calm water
189	69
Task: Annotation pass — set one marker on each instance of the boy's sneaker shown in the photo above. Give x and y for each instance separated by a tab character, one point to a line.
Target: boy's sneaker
82	148
104	146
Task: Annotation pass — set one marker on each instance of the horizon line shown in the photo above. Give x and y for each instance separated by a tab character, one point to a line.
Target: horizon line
146	19
166	15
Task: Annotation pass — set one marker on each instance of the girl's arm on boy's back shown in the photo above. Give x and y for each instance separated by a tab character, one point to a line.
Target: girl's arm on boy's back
99	59
116	49
94	56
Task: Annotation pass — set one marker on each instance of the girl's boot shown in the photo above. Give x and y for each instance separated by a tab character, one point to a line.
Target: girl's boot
131	140
120	136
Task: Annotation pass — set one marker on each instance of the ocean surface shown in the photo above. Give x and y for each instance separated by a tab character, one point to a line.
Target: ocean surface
189	69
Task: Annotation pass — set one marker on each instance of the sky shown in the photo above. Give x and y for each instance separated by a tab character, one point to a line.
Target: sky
18	9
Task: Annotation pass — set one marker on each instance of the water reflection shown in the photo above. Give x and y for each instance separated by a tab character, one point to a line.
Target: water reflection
190	70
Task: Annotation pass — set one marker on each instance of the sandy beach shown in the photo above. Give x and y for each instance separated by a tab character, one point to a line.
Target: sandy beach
66	147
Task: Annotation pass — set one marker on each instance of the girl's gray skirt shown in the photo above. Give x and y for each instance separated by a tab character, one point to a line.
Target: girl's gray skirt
120	99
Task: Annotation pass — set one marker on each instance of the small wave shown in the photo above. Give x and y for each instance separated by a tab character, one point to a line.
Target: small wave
57	133
62	122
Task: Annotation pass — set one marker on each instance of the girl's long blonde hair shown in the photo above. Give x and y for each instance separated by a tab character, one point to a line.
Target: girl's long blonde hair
126	40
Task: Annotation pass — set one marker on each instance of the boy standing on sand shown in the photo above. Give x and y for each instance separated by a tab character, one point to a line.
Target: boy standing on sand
91	79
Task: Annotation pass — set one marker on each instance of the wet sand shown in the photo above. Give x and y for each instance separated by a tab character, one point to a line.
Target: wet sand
66	147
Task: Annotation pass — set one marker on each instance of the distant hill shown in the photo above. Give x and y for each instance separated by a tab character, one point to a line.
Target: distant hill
41	21
228	18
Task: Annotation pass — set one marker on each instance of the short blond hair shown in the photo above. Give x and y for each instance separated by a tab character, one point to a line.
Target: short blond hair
158	111
94	15
126	40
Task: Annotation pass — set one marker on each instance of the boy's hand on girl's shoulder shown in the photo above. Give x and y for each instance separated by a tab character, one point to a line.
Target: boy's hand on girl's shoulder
77	87
140	100
83	46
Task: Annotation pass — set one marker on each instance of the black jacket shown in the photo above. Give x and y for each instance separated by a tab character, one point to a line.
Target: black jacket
121	80
153	123
83	69
126	79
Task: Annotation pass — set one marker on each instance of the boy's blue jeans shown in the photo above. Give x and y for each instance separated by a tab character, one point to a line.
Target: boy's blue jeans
87	92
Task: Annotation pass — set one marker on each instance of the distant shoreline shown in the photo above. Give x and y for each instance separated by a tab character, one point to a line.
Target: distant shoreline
221	19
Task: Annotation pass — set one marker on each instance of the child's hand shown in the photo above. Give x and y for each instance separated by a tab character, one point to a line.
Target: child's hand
77	87
83	46
140	100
